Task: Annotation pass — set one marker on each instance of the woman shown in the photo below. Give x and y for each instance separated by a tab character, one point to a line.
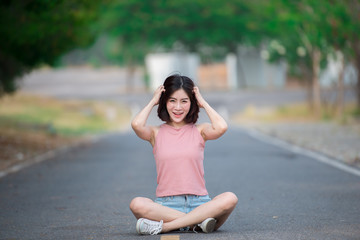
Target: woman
178	147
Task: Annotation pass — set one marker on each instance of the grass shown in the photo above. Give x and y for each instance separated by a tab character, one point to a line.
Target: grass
299	112
64	118
32	125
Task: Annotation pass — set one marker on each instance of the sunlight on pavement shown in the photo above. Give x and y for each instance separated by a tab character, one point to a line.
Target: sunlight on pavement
170	237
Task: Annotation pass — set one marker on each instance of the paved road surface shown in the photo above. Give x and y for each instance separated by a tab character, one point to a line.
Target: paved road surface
84	193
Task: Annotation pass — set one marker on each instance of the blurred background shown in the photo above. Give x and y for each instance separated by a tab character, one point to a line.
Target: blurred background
70	68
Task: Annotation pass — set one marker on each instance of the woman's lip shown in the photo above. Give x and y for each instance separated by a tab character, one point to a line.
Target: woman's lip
177	114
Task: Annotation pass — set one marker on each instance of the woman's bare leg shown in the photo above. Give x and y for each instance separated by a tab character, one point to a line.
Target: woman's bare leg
147	208
219	208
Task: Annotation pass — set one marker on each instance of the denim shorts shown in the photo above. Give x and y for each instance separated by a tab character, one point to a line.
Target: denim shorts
183	203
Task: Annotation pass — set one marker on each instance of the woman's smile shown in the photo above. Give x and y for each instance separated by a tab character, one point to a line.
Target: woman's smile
177	114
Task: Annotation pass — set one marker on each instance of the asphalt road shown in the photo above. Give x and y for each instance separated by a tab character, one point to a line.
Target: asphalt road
84	193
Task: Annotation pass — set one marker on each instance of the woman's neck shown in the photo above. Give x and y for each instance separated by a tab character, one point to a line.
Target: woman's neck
177	125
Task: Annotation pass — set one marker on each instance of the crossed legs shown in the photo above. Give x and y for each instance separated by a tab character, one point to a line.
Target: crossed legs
219	208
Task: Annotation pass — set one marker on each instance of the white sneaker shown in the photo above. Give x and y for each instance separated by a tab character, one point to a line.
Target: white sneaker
146	226
208	225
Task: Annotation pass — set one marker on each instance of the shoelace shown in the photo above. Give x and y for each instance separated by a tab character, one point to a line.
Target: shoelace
153	227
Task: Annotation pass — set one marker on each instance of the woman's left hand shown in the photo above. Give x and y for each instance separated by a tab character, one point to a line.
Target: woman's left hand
200	100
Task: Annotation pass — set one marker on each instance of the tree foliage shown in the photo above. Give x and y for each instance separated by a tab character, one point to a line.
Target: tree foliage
191	23
308	32
302	32
39	31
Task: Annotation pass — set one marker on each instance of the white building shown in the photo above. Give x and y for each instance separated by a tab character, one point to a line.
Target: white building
251	70
162	65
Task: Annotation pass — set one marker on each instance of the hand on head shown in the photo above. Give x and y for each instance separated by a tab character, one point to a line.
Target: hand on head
157	94
199	98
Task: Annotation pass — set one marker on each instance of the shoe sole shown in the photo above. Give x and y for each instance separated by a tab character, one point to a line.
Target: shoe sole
138	226
209	225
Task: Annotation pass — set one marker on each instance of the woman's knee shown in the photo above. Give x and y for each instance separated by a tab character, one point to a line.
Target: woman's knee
138	205
229	200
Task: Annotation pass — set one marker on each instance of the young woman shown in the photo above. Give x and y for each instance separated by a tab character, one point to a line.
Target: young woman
178	146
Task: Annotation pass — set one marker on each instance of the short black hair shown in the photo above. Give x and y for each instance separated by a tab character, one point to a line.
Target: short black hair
172	84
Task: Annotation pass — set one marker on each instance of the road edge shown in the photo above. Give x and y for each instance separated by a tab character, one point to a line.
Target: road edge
49	154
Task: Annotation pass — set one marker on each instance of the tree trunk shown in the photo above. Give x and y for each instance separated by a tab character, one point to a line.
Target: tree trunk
130	78
357	65
340	88
316	97
307	77
241	79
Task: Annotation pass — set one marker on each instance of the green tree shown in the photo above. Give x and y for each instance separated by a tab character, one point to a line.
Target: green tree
303	39
338	28
346	34
163	23
196	26
310	31
39	31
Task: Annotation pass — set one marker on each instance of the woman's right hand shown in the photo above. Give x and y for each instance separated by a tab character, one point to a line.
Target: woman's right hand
157	94
139	125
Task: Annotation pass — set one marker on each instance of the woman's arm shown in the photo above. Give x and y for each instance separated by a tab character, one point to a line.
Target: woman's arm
144	131
218	125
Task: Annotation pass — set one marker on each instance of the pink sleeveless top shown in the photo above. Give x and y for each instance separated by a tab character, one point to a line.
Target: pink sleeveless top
179	156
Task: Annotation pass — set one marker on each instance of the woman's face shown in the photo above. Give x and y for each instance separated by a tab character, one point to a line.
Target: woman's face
178	106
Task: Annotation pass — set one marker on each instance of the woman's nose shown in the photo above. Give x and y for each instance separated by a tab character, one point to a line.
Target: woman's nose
178	106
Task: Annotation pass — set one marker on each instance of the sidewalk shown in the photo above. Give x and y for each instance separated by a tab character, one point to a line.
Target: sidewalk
339	142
